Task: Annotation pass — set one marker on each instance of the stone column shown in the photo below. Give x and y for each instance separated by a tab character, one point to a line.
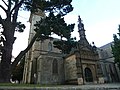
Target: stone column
79	69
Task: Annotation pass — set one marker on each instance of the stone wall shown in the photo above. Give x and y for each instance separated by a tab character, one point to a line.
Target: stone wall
70	68
45	73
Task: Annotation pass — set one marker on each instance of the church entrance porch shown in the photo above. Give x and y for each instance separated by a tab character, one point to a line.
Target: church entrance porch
89	73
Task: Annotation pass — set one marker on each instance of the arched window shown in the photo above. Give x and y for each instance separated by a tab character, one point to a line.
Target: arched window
55	67
49	46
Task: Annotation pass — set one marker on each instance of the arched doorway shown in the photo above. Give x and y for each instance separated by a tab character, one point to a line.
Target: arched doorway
88	75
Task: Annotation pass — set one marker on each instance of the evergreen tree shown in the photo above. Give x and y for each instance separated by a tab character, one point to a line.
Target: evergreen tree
65	45
10	24
56	25
116	48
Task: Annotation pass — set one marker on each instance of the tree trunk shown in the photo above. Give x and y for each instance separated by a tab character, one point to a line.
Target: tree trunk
5	67
9	25
6	64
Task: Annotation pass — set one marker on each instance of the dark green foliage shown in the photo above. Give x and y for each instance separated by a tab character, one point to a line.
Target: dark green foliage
60	6
65	46
116	48
17	73
20	27
56	25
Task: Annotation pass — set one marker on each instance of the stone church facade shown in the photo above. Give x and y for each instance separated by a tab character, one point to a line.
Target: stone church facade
111	72
45	64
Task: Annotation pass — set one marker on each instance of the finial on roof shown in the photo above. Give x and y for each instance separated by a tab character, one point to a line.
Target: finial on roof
79	19
81	29
80	24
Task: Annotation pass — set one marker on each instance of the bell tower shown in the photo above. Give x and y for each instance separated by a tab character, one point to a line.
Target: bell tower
30	58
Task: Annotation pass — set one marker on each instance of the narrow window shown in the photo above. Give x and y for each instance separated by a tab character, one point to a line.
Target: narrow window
49	46
55	67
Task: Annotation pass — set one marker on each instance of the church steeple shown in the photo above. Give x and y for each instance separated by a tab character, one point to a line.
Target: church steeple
81	29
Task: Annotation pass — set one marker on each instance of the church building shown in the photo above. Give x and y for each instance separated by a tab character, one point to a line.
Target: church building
45	64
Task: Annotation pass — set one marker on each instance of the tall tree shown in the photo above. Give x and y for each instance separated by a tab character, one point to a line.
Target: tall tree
56	25
116	48
9	25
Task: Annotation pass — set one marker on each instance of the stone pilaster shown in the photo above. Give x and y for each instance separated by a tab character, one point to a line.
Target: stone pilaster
79	69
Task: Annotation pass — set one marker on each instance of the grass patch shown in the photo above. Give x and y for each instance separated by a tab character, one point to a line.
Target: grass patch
21	85
26	85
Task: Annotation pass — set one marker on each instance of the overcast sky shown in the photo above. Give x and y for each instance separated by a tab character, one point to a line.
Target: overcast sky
100	18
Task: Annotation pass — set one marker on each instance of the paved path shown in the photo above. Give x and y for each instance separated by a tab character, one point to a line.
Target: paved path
112	86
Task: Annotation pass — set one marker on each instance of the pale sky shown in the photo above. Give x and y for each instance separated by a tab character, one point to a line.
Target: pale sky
100	17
